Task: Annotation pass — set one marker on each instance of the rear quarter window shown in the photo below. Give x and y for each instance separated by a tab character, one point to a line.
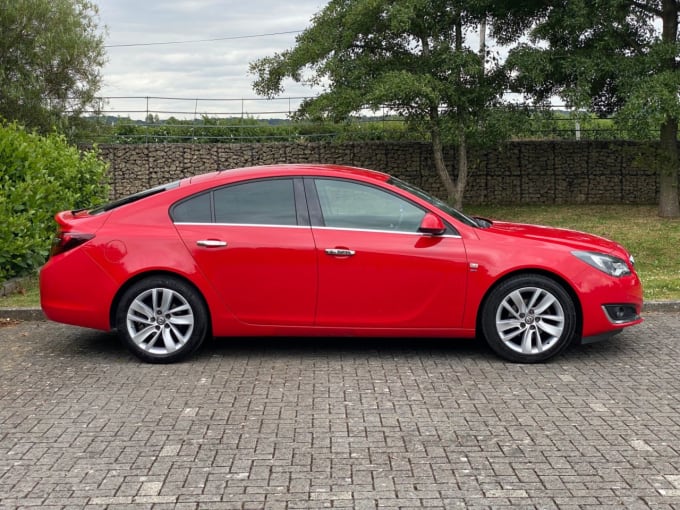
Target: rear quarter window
195	209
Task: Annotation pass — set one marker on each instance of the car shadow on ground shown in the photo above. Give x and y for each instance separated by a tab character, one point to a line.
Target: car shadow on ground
344	346
94	344
474	349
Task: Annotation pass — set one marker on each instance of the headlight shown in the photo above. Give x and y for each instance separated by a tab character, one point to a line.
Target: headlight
609	264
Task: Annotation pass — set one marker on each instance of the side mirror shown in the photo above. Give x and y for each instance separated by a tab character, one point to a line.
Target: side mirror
432	224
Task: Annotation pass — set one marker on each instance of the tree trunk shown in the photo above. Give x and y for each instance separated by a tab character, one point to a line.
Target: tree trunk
438	154
437	148
482	42
669	206
461	182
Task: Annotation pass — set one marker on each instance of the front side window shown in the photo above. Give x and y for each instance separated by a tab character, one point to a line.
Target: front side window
434	201
346	204
261	202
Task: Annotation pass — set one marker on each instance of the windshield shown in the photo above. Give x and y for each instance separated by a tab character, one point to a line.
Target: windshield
133	198
433	201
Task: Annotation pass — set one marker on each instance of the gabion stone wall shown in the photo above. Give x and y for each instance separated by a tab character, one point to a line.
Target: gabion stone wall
531	172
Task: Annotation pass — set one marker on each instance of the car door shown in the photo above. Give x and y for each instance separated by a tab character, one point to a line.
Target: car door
253	242
375	269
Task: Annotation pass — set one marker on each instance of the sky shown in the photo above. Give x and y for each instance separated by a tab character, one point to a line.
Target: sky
195	70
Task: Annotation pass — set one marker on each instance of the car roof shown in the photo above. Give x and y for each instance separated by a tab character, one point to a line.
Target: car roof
254	172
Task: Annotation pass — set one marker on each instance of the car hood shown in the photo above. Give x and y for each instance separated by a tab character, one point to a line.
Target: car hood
568	238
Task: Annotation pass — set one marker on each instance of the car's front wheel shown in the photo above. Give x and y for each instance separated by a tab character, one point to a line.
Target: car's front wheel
162	319
528	319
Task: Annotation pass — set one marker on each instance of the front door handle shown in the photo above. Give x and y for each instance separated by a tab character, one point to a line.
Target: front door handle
339	252
211	243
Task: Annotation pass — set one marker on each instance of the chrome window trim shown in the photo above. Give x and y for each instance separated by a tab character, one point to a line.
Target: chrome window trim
205	224
387	232
195	224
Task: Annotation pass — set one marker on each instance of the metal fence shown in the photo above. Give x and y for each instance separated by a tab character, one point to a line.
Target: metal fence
182	108
158	119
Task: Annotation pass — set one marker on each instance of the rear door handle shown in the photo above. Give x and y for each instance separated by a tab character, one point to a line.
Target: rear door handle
211	243
339	252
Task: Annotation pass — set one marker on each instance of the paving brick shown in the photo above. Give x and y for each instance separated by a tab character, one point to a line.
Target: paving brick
319	423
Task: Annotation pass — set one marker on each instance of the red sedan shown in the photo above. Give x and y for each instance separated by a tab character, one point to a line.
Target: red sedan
328	251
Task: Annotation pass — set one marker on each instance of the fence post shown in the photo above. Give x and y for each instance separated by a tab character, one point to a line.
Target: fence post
193	124
146	122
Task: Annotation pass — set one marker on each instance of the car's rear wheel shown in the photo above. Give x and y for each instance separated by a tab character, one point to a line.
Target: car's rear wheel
162	319
528	319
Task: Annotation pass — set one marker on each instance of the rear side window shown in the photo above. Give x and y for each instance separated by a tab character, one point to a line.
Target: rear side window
259	202
262	202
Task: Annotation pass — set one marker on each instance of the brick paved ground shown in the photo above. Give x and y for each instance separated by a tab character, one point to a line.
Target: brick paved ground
342	423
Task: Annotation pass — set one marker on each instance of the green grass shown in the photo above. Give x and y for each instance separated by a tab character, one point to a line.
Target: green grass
27	297
655	242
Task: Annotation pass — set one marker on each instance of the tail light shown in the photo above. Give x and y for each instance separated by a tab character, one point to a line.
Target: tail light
66	241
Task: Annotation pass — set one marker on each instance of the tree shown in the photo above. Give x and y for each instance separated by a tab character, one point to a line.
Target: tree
51	52
610	57
409	56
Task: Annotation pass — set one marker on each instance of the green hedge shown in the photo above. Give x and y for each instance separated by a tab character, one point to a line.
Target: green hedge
40	176
237	130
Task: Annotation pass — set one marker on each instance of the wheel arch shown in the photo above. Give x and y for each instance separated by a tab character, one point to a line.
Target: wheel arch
530	272
147	274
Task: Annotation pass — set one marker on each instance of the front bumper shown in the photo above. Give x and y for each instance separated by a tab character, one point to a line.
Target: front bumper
608	304
599	338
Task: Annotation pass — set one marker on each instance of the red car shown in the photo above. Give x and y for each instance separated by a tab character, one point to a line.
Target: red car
328	251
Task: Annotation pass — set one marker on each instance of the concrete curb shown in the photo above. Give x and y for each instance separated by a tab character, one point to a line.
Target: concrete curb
22	314
661	306
36	314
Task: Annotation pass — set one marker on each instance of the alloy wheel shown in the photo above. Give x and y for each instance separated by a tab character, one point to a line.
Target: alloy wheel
160	321
530	320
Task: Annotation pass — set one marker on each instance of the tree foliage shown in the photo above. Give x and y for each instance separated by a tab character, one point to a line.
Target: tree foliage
38	177
410	56
51	52
611	57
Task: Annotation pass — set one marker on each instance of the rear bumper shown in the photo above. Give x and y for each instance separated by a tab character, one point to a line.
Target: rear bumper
75	290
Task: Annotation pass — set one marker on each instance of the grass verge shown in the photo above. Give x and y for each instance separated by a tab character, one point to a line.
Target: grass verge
652	240
27	296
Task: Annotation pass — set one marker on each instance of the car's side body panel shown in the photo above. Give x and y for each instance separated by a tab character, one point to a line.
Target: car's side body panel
265	275
499	258
392	279
309	278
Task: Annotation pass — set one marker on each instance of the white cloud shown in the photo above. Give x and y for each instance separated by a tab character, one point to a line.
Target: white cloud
196	70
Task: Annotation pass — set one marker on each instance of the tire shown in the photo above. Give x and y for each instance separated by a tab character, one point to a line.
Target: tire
162	319
529	319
